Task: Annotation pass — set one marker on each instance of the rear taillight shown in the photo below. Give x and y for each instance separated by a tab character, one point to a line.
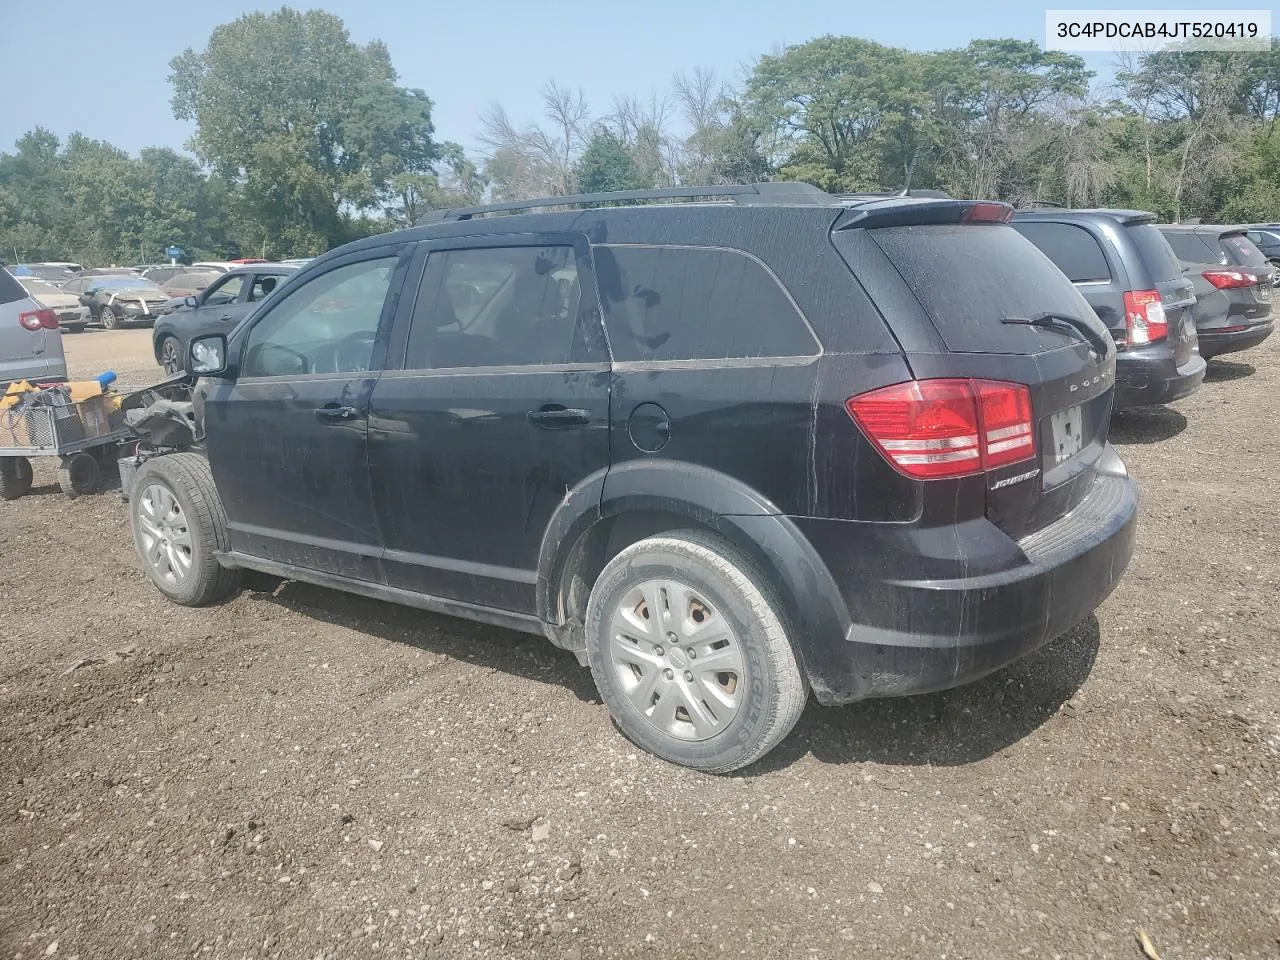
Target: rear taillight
988	211
1144	317
1225	279
930	429
39	320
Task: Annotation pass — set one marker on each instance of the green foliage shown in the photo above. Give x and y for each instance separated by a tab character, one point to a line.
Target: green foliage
607	165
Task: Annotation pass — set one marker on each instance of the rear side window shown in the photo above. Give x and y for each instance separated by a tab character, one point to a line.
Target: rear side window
1190	247
696	303
1155	252
10	289
1072	248
1241	250
968	277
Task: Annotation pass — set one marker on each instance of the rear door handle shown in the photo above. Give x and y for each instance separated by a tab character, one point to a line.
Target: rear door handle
334	413
554	416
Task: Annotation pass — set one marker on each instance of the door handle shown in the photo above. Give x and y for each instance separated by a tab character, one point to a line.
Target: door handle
334	413
226	318
553	416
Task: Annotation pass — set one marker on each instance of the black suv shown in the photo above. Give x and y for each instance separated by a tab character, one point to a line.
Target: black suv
1233	281
726	452
1124	267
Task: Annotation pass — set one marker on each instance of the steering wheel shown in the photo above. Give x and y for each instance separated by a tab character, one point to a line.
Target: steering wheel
352	354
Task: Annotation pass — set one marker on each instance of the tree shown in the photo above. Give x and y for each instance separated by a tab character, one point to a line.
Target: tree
536	160
607	165
310	124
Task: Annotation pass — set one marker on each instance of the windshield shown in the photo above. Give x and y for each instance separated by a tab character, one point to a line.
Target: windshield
123	283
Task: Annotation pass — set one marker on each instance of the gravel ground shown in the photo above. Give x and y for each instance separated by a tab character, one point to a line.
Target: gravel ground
314	775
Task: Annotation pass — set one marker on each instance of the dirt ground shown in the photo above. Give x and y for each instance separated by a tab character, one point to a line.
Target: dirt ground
313	775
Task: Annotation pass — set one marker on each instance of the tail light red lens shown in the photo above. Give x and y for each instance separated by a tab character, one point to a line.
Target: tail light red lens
988	212
1230	279
39	320
1144	317
931	429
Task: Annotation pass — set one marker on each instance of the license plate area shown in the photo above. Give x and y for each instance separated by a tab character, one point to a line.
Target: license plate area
1067	430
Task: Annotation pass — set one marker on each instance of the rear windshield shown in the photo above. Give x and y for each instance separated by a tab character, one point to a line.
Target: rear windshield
1191	247
968	277
1155	252
1241	250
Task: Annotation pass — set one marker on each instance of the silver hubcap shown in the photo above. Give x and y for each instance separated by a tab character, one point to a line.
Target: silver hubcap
677	659
170	356
166	538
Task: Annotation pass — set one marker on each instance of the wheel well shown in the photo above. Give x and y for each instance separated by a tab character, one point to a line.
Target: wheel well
603	541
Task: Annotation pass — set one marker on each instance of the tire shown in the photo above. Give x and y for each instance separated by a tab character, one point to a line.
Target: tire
170	355
79	475
732	716
15	477
110	319
164	539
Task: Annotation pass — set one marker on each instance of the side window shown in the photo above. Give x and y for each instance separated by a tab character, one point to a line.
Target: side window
228	291
696	303
327	325
262	287
1073	249
496	306
74	286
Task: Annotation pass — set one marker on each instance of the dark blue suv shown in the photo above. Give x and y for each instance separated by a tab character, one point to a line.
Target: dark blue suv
726	452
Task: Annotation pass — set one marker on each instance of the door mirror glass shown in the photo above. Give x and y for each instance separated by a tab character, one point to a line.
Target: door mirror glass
207	356
189	301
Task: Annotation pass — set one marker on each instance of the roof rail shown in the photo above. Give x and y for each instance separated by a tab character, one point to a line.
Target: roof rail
747	194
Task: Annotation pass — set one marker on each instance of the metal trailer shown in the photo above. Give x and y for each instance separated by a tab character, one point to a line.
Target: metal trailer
83	435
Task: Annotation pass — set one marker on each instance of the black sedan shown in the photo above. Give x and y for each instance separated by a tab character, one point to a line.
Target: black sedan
219	307
115	300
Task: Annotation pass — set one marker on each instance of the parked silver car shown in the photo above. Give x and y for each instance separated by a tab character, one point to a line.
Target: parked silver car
30	342
72	314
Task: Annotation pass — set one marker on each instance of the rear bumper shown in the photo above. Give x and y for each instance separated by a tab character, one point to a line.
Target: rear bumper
910	636
1213	344
1152	376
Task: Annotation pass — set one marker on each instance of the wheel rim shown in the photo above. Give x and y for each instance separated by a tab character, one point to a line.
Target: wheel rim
169	356
108	318
166	538
677	660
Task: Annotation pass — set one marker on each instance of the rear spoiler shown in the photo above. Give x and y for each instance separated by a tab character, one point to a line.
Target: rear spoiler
918	211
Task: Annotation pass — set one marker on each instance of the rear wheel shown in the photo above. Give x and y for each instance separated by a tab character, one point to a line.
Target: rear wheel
178	525
15	477
171	355
690	653
79	474
110	319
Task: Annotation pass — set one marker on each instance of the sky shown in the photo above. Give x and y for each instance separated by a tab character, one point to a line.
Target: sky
101	66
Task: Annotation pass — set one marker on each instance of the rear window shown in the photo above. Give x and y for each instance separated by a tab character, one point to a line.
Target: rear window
1191	247
1155	252
968	277
1241	250
1072	248
696	303
10	289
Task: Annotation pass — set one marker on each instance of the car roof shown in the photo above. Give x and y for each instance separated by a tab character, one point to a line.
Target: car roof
1122	215
1213	229
271	269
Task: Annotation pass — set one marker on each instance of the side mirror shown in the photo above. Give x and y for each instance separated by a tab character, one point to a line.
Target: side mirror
207	355
189	301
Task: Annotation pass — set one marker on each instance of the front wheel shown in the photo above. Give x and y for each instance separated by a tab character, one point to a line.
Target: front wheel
171	356
110	319
690	652
178	525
